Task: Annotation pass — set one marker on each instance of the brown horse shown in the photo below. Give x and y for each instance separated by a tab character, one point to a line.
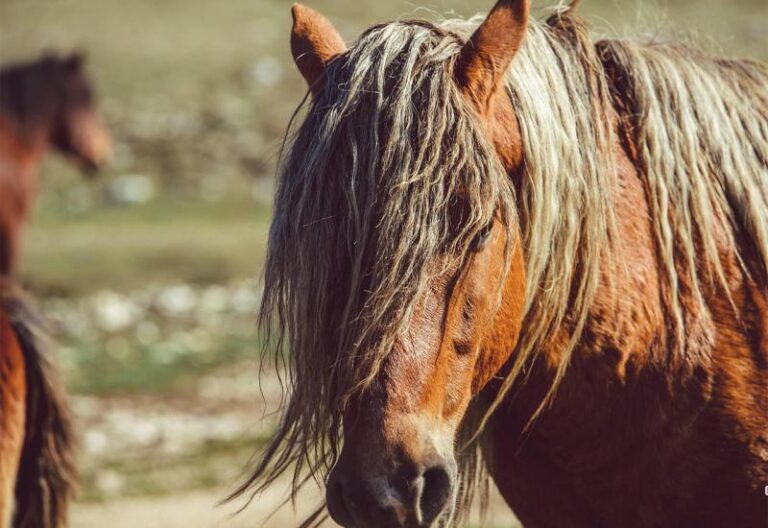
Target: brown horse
44	103
37	471
503	249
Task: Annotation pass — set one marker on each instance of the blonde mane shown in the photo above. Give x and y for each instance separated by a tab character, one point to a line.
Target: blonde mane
370	186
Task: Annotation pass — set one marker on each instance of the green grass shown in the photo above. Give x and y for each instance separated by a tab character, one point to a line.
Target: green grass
126	248
213	463
120	366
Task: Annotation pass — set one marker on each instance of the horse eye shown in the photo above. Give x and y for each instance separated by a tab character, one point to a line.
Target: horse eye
481	239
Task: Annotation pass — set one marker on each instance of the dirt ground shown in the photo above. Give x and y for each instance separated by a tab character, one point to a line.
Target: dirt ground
196	509
199	509
168	462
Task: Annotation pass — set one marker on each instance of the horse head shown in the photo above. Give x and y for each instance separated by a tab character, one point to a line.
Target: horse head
78	129
400	433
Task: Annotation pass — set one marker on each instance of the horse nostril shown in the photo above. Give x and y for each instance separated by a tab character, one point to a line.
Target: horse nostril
337	507
435	494
363	503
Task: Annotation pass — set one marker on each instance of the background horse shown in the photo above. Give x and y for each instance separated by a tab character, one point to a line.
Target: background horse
48	102
43	103
508	249
37	469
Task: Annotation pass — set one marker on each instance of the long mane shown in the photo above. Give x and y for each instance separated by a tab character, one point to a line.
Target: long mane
370	182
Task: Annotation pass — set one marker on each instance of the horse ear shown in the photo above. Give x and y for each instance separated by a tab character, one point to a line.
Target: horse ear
75	61
485	58
314	42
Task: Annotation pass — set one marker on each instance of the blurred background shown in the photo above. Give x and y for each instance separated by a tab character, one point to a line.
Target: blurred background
149	274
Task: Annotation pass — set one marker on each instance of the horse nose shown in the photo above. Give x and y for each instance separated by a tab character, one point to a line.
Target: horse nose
381	502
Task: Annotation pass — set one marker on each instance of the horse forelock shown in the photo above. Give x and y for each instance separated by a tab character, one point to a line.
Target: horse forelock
369	182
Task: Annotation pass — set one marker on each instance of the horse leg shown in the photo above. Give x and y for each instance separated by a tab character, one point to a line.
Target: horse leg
12	417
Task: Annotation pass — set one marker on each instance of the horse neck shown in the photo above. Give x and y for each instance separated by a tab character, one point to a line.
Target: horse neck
625	341
20	158
23	146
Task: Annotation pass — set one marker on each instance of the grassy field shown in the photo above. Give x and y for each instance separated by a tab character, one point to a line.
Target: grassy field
152	299
166	240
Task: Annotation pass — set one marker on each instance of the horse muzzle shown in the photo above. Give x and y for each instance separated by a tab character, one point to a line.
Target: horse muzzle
413	495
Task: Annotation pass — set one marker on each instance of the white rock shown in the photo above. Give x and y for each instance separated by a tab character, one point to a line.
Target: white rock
95	442
131	189
245	299
214	299
114	312
109	482
177	300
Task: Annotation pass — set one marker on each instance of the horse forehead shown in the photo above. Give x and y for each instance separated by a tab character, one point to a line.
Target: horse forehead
419	342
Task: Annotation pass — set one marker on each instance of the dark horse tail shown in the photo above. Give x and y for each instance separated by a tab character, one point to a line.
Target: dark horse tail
47	475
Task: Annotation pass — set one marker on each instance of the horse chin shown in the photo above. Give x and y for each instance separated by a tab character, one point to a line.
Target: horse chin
90	164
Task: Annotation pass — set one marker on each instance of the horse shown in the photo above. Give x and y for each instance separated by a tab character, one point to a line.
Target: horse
44	103
48	102
37	469
503	250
